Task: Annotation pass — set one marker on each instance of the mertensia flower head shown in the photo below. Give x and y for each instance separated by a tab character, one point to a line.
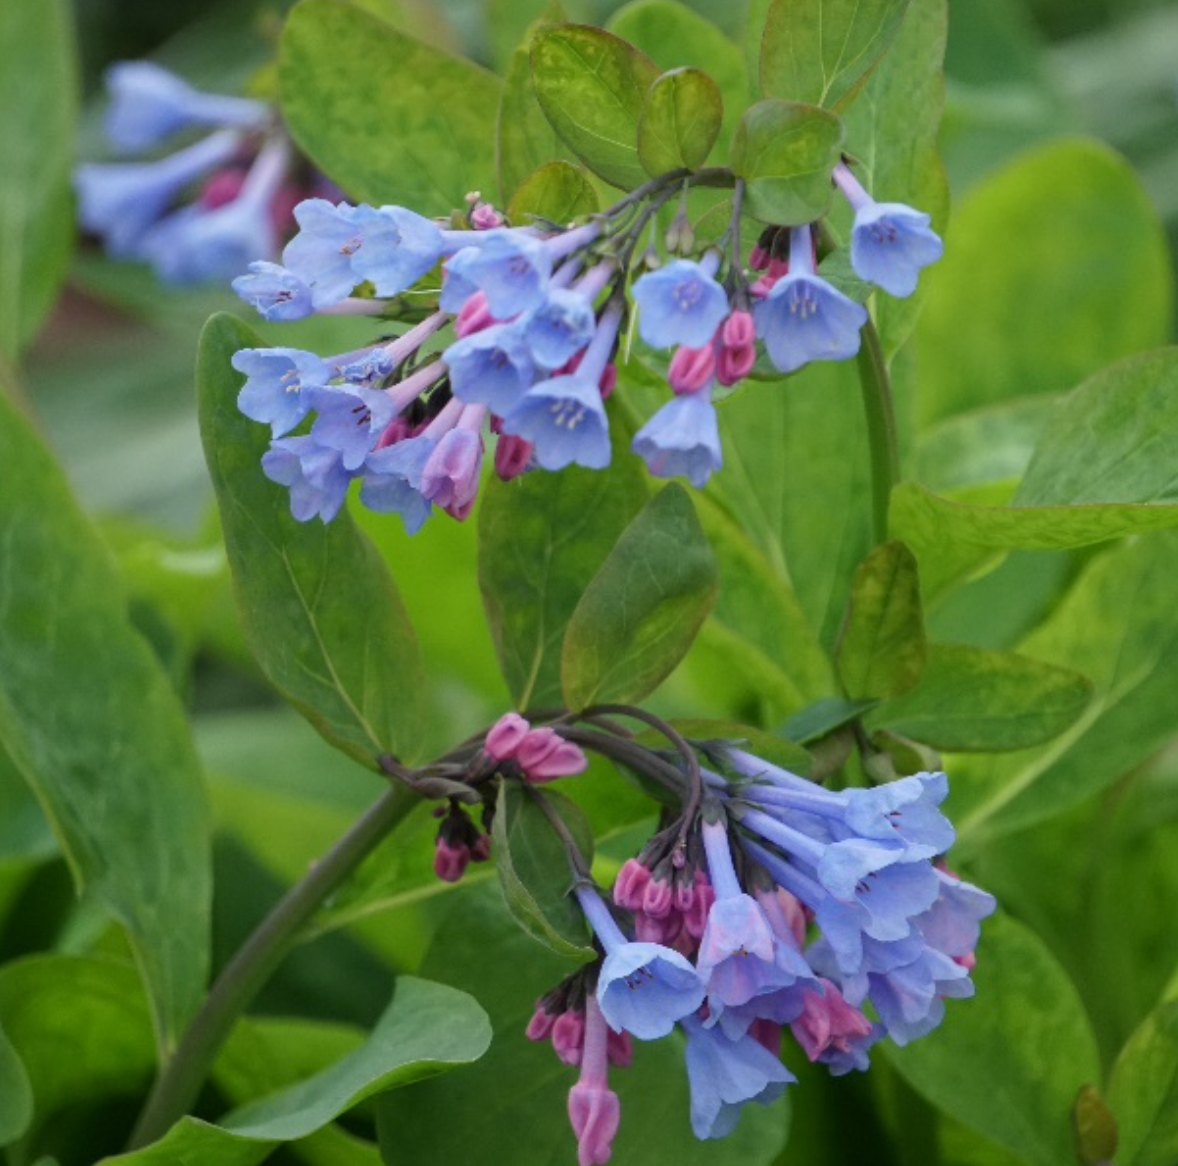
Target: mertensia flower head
518	333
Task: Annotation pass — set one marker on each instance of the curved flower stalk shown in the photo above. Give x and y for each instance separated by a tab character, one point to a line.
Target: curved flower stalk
535	314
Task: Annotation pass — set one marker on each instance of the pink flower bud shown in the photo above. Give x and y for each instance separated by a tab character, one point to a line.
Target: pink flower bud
609	381
828	1021
513	456
734	364
696	920
652	930
541	1024
691	369
544	755
474	316
658	899
282	210
481	850
505	736
739	330
450	860
777	269
485	217
222	188
595	1114
759	258
631	884
399	430
767	1034
620	1048
568	1036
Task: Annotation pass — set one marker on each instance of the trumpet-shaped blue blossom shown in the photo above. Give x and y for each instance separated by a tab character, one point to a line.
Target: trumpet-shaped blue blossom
890	243
313	473
350	420
149	104
725	1075
277	391
392	481
274	292
682	440
643	988
953	923
493	367
120	201
559	327
510	268
681	303
804	318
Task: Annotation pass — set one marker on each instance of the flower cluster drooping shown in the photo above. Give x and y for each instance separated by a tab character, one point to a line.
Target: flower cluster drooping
202	212
779	905
534	313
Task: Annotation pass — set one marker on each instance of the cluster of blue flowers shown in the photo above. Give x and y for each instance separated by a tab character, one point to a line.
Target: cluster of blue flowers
828	913
202	212
536	313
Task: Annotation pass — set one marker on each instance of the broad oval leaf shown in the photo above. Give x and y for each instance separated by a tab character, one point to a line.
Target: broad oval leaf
392	120
542	539
882	648
36	226
92	723
680	122
1010	1062
785	151
1091	257
319	609
426	1030
534	870
973	699
557	193
592	86
823	51
1143	1091
674	36
639	615
16	1094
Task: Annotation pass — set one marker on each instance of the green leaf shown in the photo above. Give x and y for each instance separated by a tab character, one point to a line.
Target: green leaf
822	51
534	869
674	36
1091	256
757	632
785	151
973	699
680	122
36	203
391	119
1010	1062
426	1030
477	948
526	141
882	648
542	539
320	611
592	86
892	131
1143	1091
1116	623
16	1094
639	615
93	1008
769	747
558	192
90	720
824	717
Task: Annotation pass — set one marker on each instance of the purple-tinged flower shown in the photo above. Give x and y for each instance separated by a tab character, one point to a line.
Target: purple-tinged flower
952	925
450	478
274	389
681	303
643	988
804	318
511	269
725	1075
351	420
491	367
890	242
274	292
594	1109
149	104
563	417
196	245
565	320
834	1033
120	201
398	250
682	440
392	481
505	736
314	474
910	999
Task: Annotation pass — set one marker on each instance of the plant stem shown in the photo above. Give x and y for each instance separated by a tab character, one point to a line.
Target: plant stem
881	428
180	1080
